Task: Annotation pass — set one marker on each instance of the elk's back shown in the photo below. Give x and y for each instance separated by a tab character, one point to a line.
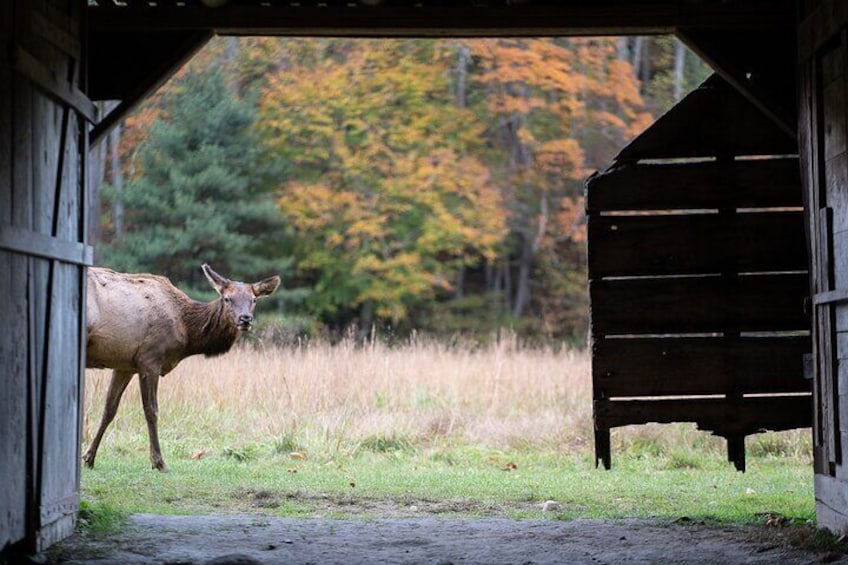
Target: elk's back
130	317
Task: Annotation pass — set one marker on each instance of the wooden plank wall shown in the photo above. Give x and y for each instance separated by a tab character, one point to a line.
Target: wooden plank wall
823	133
698	279
13	348
43	148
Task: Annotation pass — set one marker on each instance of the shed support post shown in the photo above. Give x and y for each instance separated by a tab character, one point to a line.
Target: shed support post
602	448
736	451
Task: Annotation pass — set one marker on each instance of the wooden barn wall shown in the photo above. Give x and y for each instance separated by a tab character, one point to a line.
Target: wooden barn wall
698	276
44	119
823	132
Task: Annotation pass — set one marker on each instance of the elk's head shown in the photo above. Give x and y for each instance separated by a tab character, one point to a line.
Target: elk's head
239	299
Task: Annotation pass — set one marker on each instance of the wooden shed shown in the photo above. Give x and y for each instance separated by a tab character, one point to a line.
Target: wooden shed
698	275
718	239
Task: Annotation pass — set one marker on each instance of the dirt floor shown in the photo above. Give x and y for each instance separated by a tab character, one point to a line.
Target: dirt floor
251	539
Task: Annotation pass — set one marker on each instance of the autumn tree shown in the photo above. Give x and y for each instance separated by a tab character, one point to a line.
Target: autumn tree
386	193
554	108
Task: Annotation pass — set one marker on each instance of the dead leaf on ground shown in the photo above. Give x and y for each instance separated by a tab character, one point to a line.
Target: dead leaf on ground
198	455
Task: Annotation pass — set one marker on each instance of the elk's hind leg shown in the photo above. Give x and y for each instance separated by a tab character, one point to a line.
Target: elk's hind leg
149	382
117	386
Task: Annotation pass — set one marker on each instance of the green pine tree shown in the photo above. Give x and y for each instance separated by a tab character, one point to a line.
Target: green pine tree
203	193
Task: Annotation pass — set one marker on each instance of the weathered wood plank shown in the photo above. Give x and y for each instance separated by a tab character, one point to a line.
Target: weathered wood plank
56	492
721	416
696	244
765	183
52	85
834	108
820	26
675	305
438	19
699	366
831	503
13	347
836	187
832	66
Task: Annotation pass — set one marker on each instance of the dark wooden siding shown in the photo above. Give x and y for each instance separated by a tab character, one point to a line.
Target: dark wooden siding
698	276
43	251
823	133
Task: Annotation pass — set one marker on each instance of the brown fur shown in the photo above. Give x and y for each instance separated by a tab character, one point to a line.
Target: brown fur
139	323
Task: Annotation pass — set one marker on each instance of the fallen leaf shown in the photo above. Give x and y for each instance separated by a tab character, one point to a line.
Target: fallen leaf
297	455
510	467
198	455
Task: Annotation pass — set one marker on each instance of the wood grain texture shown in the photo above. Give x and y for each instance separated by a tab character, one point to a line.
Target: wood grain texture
696	244
762	183
723	417
699	366
677	305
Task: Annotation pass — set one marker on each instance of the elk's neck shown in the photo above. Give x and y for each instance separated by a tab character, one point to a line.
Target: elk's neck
209	332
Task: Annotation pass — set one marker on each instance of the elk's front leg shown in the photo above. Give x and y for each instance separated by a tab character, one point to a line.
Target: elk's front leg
117	385
149	392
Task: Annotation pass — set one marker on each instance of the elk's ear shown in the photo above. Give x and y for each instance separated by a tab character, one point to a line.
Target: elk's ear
217	281
266	287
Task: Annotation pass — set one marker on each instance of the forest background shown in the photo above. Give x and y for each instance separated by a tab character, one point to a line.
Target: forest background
396	185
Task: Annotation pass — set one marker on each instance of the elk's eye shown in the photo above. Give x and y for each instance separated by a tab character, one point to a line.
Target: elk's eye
254	300
227	299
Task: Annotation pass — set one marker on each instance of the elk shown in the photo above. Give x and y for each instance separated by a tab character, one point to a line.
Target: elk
140	323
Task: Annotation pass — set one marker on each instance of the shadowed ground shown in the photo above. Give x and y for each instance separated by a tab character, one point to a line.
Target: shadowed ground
234	539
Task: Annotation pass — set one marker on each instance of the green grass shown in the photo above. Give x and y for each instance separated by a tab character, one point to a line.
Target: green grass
397	479
426	428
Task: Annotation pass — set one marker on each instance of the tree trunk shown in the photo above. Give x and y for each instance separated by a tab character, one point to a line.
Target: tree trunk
622	49
463	58
366	321
97	161
522	289
116	171
638	49
679	65
529	247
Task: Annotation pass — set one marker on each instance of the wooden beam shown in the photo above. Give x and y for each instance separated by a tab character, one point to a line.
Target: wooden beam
721	416
821	26
42	245
753	71
53	86
714	120
157	77
455	19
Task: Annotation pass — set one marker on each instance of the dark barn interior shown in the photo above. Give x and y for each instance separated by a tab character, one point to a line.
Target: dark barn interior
718	239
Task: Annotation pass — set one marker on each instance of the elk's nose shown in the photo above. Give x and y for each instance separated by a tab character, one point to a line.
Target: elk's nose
245	319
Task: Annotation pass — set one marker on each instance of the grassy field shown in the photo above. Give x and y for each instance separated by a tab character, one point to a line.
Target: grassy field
320	430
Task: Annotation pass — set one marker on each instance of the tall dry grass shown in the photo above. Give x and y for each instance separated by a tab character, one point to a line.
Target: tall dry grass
322	397
326	398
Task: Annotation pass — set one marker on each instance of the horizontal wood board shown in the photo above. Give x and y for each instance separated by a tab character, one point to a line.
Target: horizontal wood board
678	305
699	366
760	183
696	244
724	417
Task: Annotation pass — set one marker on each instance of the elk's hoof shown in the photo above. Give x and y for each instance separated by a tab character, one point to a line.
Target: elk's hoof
88	459
160	466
